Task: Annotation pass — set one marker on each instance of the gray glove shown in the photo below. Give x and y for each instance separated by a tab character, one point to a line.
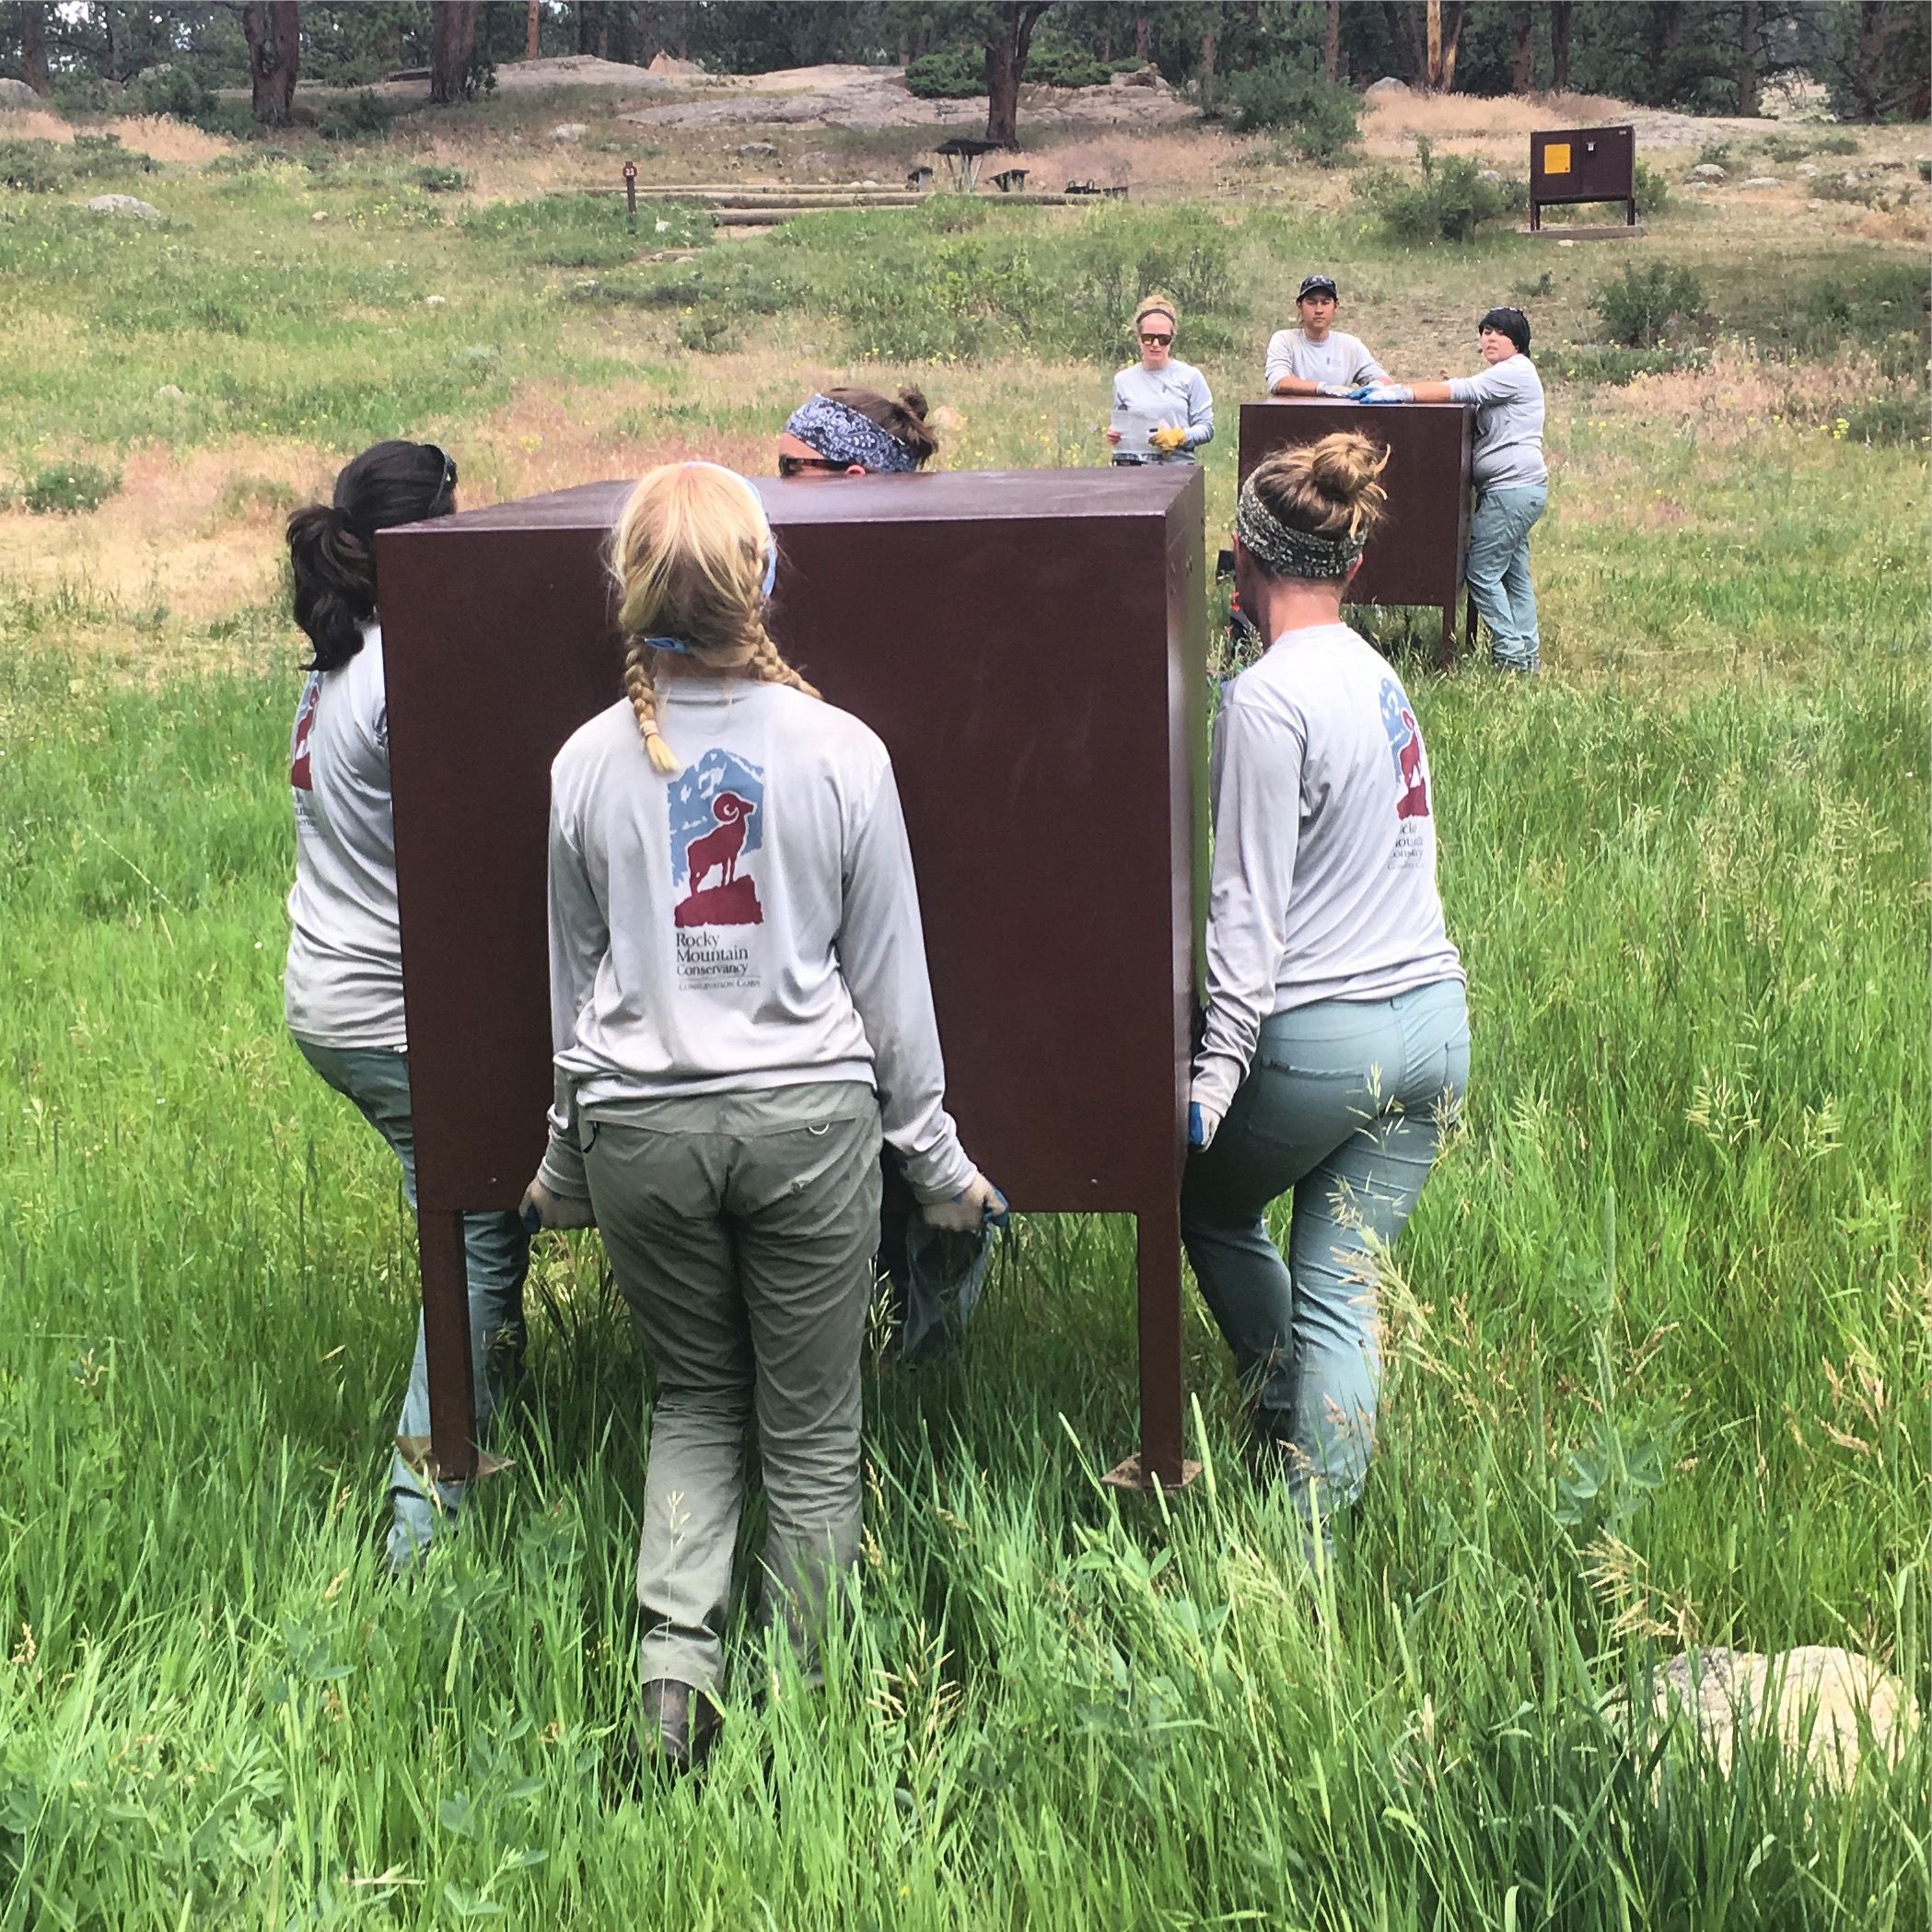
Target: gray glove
1336	392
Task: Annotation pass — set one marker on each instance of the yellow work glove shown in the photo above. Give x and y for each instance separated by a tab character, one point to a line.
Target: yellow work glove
1170	435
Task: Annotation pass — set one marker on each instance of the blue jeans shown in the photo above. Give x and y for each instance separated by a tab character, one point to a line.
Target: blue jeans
1346	1103
1498	573
497	1251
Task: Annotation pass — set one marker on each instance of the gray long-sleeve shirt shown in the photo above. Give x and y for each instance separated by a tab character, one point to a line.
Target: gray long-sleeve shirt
1338	358
1508	446
750	922
1324	858
1177	394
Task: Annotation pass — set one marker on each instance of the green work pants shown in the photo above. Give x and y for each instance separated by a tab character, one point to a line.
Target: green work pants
740	1228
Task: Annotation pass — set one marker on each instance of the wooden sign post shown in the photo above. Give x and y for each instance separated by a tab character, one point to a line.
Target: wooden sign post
1030	647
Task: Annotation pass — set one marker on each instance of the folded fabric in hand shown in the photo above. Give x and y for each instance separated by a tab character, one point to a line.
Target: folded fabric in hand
1385	393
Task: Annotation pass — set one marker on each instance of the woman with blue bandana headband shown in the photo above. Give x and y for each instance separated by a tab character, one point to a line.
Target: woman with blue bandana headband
855	432
1335	1045
741	1016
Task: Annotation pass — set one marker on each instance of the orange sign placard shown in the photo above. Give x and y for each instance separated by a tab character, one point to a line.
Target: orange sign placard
1556	158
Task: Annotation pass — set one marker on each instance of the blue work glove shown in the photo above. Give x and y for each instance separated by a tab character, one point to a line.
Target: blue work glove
1200	1127
1385	393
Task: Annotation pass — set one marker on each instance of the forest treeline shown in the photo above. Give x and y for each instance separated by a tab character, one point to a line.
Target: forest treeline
1710	56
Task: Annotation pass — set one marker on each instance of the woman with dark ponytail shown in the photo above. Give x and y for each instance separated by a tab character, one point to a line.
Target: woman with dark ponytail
343	991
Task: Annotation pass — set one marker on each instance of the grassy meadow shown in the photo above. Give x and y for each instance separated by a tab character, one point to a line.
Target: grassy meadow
1656	1336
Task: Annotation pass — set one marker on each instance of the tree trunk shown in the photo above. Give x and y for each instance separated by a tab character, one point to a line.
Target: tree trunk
1008	43
1560	45
1331	42
1143	38
1522	50
1411	46
452	41
33	46
1444	37
116	48
533	31
1748	57
1207	62
274	31
648	43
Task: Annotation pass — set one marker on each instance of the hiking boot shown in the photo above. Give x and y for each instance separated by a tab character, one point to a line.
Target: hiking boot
678	1725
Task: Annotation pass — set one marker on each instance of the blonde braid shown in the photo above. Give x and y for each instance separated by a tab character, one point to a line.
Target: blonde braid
640	685
769	667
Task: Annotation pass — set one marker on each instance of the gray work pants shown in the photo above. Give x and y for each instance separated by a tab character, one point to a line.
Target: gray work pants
740	1228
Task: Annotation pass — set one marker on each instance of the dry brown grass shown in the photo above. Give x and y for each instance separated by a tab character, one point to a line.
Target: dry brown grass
1466	123
158	136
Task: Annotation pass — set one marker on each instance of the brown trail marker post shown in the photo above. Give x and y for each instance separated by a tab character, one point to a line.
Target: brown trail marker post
1416	556
1030	646
1584	163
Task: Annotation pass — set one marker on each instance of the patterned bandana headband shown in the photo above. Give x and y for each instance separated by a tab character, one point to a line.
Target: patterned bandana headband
1281	551
843	435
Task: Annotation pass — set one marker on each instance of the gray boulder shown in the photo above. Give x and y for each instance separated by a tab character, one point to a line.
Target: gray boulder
126	205
1762	180
569	131
1376	90
18	94
1707	171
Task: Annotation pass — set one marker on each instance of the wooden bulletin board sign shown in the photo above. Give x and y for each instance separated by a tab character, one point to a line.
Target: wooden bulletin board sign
1031	647
1417	556
1582	163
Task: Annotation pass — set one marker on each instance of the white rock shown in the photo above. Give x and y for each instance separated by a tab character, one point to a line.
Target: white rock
569	131
1807	168
18	94
1763	180
1388	85
169	393
758	148
1492	174
319	215
436	301
126	205
1707	171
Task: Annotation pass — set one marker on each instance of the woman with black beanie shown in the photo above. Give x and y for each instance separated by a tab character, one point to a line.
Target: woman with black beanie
342	989
1512	485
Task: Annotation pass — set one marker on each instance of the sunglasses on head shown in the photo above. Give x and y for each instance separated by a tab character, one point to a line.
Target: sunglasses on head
449	482
797	465
1158	340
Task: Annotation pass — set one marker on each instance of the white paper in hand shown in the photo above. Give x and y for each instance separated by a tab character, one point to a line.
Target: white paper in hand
1136	427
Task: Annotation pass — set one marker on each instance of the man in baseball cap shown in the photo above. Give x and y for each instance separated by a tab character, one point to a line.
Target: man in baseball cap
1317	359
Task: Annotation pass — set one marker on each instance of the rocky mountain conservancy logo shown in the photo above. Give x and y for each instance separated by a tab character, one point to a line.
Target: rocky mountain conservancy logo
299	775
716	824
1405	747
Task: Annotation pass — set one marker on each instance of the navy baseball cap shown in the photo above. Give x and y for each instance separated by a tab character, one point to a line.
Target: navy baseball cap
1317	286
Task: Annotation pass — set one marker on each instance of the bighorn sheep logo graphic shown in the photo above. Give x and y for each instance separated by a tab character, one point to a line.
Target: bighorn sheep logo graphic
1405	747
720	848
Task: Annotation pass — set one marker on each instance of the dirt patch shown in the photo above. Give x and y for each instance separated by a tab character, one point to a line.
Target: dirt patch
199	533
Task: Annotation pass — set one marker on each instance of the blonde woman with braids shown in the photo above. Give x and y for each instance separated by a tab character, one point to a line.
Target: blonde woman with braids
742	1012
1337	1045
1163	386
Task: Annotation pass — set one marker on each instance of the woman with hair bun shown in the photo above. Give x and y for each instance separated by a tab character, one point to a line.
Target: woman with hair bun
342	989
1335	1050
1512	483
1161	385
742	1014
855	432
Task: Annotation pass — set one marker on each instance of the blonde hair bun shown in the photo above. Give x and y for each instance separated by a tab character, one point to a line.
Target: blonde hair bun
1331	488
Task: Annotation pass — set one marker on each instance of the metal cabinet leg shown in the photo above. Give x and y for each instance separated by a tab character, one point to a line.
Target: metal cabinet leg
1162	1401
445	1328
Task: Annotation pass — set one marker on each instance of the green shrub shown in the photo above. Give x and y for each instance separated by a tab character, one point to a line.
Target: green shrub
172	90
432	178
31	167
1294	96
951	74
1614	366
66	489
1058	66
708	332
1886	420
1716	152
1653	193
358	117
1449	204
1641	304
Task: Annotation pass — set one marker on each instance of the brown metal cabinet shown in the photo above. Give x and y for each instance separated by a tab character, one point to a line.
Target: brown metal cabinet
1416	556
1582	163
1031	648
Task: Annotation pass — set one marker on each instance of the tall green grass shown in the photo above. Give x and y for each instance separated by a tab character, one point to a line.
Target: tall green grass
1668	1288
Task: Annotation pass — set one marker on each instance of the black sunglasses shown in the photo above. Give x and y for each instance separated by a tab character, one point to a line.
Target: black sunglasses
1159	341
797	465
449	482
